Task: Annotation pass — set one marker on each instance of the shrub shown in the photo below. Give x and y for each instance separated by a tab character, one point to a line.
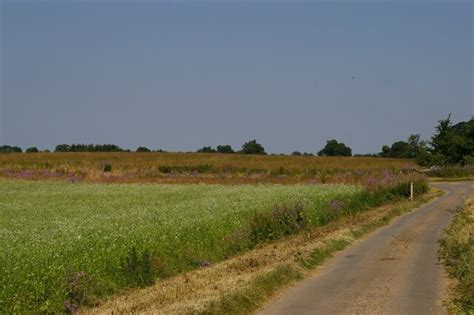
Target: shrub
165	169
253	147
334	148
296	153
138	268
32	150
225	148
206	150
143	149
107	167
10	149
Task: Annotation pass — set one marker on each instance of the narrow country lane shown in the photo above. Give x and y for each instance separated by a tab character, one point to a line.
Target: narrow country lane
394	270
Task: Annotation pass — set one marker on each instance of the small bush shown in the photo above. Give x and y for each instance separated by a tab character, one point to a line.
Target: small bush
225	148
138	268
32	150
206	150
143	149
107	167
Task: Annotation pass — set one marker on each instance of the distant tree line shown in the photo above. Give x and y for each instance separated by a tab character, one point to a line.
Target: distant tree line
451	144
10	149
88	148
250	147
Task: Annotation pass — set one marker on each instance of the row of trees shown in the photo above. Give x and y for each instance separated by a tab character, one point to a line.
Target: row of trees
250	147
450	144
88	148
332	148
10	149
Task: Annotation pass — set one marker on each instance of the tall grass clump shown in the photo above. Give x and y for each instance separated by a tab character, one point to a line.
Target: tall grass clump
138	268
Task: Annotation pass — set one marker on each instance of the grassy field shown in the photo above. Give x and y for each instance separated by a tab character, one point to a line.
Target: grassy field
68	240
50	232
185	168
68	244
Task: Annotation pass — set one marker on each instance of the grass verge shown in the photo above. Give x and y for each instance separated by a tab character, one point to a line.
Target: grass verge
457	252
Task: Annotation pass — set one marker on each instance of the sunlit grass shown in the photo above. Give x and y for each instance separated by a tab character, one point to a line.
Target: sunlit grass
50	230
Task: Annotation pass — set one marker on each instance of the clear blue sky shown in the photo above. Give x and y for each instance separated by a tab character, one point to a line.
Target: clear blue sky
182	75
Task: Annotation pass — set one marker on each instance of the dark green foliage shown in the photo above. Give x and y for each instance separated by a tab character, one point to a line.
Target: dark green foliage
453	144
296	153
400	149
143	149
253	147
409	149
334	148
385	151
206	150
138	268
88	148
106	167
32	150
225	148
10	149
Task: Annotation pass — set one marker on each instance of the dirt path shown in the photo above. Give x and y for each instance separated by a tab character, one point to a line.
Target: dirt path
394	270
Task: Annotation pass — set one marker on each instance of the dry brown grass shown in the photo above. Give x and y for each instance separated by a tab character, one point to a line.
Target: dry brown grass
186	168
194	291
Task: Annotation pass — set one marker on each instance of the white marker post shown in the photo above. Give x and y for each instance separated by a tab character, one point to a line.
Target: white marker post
411	191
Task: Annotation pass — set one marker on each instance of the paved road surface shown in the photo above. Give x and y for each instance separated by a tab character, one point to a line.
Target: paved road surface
394	270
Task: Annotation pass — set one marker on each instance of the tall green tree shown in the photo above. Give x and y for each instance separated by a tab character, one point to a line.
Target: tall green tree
334	148
253	147
224	148
453	144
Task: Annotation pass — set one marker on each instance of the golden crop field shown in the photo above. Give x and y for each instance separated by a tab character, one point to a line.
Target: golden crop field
185	168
